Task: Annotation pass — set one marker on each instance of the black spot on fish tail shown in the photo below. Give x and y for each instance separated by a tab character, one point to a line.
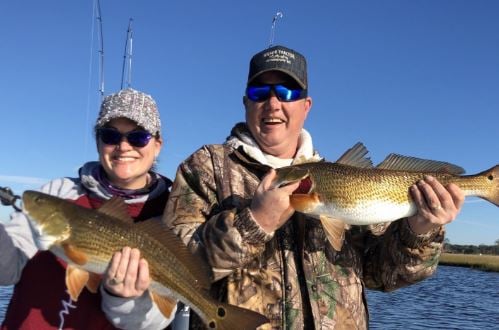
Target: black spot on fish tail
221	312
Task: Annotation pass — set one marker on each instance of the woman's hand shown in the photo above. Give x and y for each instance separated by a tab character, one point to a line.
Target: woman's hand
127	274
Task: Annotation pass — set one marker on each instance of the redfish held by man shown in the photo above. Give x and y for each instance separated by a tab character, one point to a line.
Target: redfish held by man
351	191
86	239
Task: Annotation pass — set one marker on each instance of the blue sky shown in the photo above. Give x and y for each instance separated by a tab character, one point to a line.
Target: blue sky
418	78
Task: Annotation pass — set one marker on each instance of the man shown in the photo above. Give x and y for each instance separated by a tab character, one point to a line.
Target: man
268	258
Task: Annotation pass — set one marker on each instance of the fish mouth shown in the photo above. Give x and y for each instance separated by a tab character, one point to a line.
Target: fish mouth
305	187
30	199
48	227
290	174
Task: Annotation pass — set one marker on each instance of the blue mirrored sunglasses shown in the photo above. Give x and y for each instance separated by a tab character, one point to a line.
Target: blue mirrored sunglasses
260	93
136	138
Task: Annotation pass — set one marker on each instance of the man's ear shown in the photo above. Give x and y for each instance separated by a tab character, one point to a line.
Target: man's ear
308	100
245	100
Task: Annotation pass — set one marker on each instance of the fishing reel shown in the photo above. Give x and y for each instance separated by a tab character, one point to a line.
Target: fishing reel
7	197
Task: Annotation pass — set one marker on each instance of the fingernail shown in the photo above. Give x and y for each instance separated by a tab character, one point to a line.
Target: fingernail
429	178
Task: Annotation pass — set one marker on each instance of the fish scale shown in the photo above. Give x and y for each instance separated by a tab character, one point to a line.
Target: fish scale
116	234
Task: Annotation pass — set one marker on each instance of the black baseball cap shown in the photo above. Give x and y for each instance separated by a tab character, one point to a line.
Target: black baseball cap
279	58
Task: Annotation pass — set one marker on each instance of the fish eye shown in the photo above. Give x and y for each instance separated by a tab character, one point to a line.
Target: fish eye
490	177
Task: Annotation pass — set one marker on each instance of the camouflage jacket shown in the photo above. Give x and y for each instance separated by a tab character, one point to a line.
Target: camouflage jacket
293	276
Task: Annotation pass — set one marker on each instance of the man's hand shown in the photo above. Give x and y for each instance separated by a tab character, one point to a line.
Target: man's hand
270	206
437	205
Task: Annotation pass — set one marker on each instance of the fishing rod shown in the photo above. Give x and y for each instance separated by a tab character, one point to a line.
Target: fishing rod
96	18
7	197
272	28
101	52
127	55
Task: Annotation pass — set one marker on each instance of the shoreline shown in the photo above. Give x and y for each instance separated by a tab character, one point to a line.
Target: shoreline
489	263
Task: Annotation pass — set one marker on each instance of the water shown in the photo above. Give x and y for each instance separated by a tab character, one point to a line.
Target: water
5	294
455	298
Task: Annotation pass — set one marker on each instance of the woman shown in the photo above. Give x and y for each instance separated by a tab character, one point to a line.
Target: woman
128	141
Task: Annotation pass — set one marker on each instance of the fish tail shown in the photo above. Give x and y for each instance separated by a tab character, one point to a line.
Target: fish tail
233	317
484	185
492	177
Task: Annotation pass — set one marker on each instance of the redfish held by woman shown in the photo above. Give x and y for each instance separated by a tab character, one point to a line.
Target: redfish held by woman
86	239
351	191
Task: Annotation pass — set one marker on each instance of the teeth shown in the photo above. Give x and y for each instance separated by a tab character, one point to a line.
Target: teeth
124	159
272	120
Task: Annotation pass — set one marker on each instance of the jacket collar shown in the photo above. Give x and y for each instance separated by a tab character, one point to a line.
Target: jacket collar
241	138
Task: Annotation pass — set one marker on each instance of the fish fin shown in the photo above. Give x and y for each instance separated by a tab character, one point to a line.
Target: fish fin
116	208
356	156
76	279
234	317
289	174
413	164
166	305
335	231
77	256
304	202
303	160
198	267
93	282
300	160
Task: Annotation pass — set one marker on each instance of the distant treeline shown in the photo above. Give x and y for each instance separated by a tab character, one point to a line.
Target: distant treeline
471	249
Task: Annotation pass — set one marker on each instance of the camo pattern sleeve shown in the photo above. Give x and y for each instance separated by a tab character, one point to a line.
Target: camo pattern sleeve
396	257
219	227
